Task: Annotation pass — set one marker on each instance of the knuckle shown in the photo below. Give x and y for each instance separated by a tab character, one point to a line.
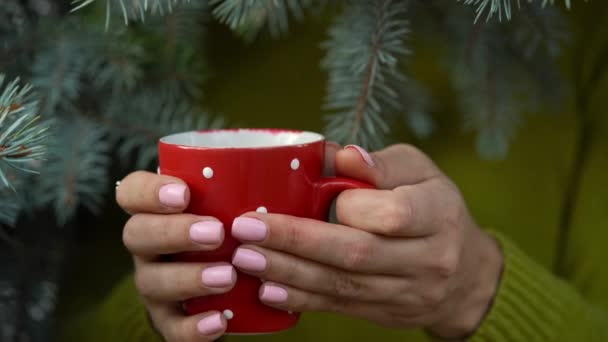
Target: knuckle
343	203
132	179
406	149
410	320
137	174
129	235
156	323
452	219
166	232
292	236
453	209
141	283
346	286
433	296
178	332
184	284
298	301
407	313
284	271
299	305
395	292
396	215
358	255
446	264
337	305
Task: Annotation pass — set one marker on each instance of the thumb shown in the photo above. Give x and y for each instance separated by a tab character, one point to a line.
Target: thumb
389	168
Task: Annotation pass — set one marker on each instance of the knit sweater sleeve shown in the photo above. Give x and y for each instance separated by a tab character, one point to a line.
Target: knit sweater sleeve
534	305
121	317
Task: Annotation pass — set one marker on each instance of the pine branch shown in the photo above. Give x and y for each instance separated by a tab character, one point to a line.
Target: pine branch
366	43
121	59
183	25
77	172
180	68
134	9
249	17
23	144
501	72
22	134
184	75
501	8
153	114
58	72
115	63
13	21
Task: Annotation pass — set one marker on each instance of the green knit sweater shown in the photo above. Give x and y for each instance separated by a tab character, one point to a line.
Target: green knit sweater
520	198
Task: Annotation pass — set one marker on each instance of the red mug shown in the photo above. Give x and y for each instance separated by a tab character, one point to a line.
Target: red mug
234	171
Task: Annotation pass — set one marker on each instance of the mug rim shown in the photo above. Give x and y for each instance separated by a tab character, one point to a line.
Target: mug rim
316	138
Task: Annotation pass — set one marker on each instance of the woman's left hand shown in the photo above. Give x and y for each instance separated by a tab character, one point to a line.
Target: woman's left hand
406	255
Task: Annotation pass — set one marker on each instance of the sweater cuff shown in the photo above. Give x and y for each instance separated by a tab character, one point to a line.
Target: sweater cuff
530	304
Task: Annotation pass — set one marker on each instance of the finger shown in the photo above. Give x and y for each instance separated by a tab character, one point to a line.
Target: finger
289	298
329	165
174	326
148	192
407	211
332	244
318	278
174	281
393	166
150	235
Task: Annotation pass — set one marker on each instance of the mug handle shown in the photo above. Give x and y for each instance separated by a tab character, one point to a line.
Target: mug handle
328	188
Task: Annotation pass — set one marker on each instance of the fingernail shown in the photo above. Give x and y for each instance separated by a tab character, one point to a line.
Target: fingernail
364	154
173	195
210	325
219	276
249	260
273	294
250	229
207	232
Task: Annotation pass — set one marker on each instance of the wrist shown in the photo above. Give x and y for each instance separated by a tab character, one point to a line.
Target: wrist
473	302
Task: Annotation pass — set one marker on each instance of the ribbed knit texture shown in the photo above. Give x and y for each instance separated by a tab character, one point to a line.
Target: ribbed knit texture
531	305
122	317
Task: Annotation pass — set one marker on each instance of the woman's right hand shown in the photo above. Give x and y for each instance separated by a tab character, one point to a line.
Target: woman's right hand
158	227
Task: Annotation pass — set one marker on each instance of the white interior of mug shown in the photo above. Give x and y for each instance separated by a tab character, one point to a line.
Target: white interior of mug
242	138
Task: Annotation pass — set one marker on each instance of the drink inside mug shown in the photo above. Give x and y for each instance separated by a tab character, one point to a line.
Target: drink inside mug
243	138
233	172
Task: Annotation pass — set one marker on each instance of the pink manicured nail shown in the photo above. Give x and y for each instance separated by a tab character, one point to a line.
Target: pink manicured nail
210	325
219	276
364	154
273	294
173	195
249	260
249	229
207	232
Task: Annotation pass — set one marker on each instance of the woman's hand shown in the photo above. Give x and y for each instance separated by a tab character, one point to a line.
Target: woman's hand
406	255
159	227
